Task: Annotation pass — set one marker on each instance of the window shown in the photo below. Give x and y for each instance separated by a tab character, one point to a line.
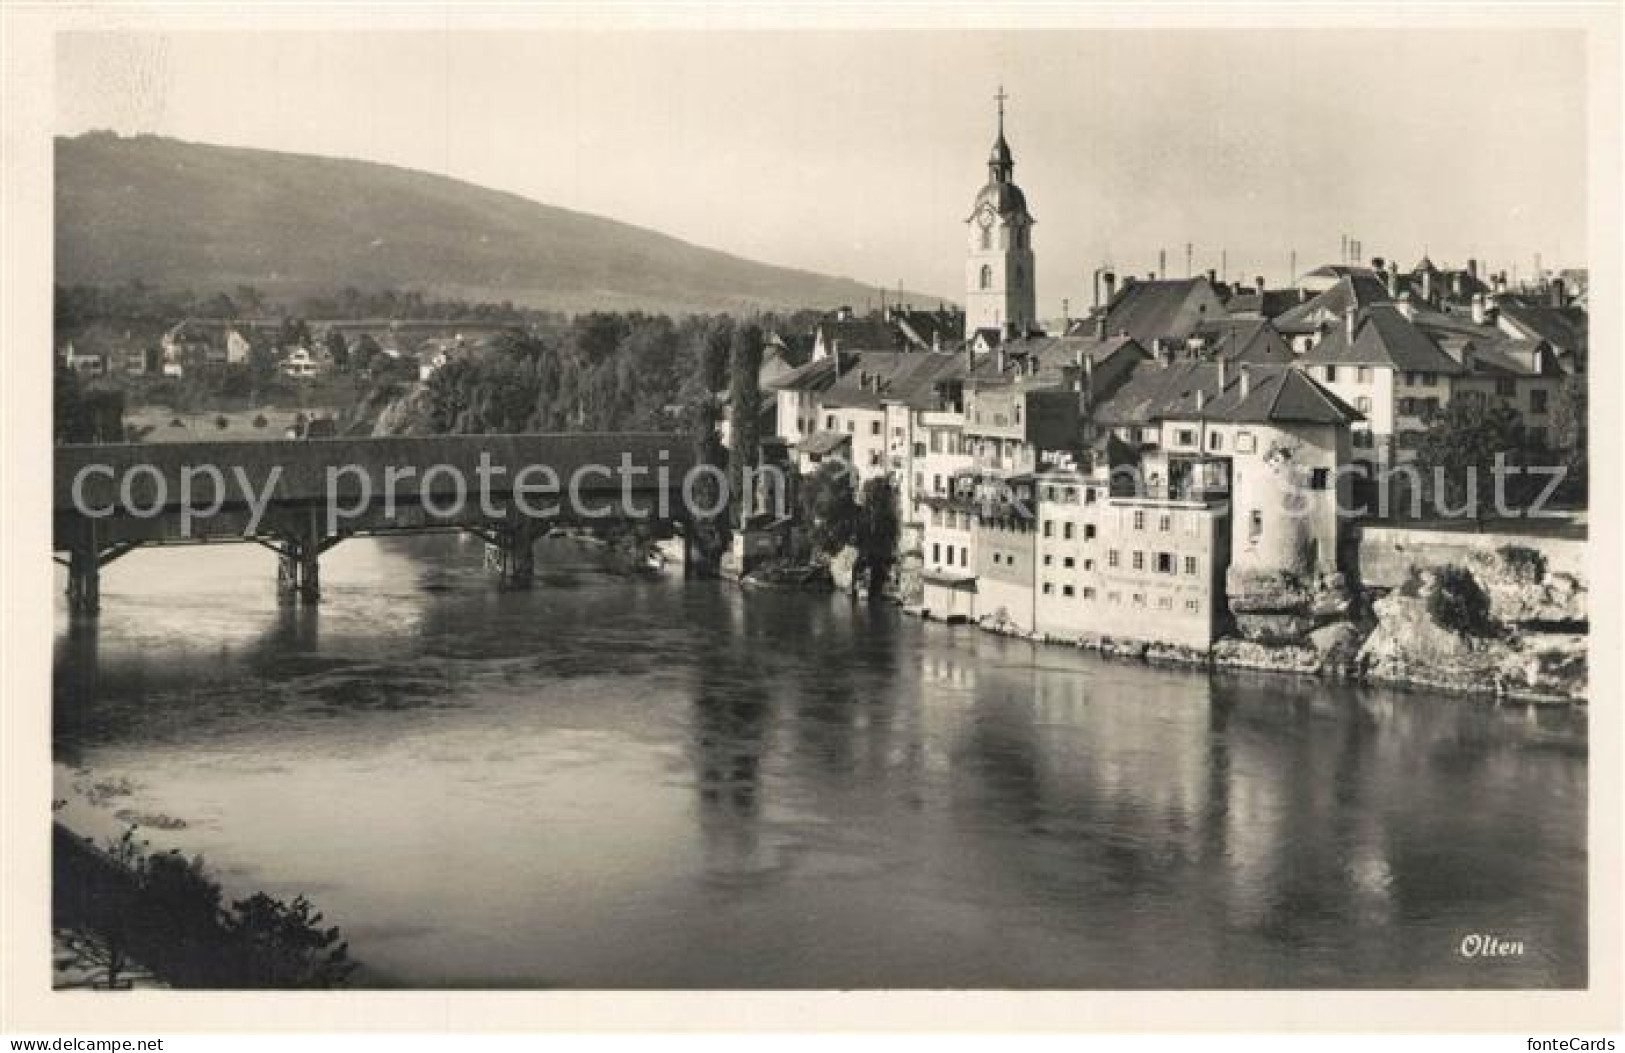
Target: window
936	552
1049	528
1165	563
1319	478
1506	387
950	560
874	458
1185	436
1165	522
1111	558
1048	560
1088	564
1244	442
1363	374
1139	599
1067	563
1331	374
936	483
919	449
1255	525
1215	440
1114	597
1089	531
986	279
1139	560
1363	403
829	421
1363	440
874	427
1066	531
964	556
850	427
1193	605
1048	588
1429	379
1088	592
1190	564
1139	519
1537	400
1066	590
1165	603
987	242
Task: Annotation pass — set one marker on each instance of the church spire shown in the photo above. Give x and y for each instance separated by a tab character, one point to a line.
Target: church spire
999	163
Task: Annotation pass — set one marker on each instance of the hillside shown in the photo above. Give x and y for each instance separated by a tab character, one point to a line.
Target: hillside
188	215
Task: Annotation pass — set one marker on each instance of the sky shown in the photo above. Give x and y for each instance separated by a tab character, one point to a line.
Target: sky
859	153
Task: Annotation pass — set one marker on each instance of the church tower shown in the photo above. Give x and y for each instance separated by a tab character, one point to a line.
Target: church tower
999	277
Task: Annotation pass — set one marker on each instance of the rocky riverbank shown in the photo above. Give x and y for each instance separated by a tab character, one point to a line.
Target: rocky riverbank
1498	623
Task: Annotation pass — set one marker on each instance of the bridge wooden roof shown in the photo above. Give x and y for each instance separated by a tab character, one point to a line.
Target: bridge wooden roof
303	464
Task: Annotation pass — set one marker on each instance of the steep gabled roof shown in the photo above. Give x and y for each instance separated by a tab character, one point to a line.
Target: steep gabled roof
1562	327
1276	394
1160	310
1383	337
1350	292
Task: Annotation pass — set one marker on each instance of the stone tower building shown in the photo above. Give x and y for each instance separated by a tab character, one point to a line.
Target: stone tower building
999	275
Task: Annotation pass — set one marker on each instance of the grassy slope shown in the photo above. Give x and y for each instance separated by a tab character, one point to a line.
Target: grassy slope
208	217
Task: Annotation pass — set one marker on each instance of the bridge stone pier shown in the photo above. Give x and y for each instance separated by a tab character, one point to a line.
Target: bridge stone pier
299	498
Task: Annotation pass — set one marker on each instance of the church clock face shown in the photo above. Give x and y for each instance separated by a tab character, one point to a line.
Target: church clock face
985	218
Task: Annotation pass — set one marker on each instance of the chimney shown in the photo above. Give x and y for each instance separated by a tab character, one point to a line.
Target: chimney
1376	264
1427	286
1111	286
843	313
1560	296
1100	326
1258	282
1201	399
1406	306
1128	279
1246	380
1457	287
1212	276
1478	309
1472	269
1224	374
1393	285
1303	294
1501	282
1351	322
999	357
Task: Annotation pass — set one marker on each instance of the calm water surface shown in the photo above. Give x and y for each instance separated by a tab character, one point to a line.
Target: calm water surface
612	782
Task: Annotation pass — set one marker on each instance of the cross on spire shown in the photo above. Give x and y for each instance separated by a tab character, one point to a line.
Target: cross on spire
1000	96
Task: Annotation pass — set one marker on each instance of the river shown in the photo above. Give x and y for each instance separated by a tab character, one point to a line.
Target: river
611	782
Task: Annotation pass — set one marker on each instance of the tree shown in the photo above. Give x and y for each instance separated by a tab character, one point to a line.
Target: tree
1459	452
367	350
708	534
744	411
828	507
1572	436
877	530
337	349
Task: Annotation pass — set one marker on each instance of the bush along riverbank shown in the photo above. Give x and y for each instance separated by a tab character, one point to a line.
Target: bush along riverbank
119	910
1498	623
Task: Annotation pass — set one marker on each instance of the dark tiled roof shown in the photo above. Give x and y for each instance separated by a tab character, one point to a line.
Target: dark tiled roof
822	442
1383	337
1276	394
814	376
1356	291
1154	310
1562	327
1246	340
860	334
